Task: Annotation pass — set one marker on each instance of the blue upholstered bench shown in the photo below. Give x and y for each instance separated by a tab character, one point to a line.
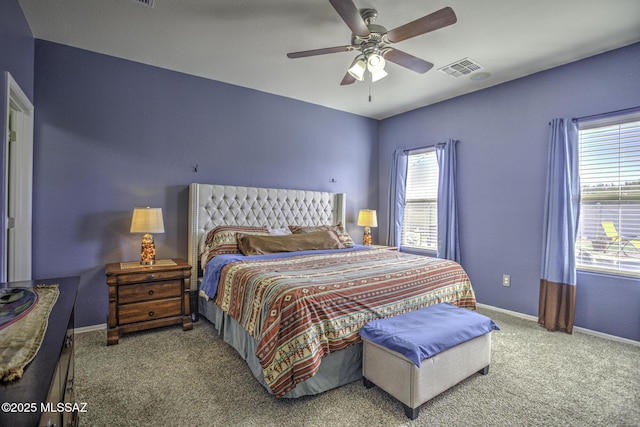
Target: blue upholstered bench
418	355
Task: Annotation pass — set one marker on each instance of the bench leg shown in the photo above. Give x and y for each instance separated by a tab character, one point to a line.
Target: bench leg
367	383
484	371
411	413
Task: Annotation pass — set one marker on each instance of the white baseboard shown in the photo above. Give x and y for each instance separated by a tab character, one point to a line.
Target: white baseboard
103	326
575	328
90	328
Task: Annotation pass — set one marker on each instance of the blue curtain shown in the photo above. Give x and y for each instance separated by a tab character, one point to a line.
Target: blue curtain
560	226
396	197
448	241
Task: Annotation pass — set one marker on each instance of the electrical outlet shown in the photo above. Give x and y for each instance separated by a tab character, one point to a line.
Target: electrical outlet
506	280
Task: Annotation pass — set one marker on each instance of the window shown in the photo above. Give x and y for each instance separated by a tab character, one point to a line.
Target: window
420	222
609	227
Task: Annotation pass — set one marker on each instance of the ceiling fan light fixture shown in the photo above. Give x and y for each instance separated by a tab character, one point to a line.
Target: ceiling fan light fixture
375	63
377	75
358	69
371	41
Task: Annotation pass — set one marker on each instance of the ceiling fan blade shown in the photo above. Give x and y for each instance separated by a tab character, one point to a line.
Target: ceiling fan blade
408	61
348	78
434	21
314	52
351	16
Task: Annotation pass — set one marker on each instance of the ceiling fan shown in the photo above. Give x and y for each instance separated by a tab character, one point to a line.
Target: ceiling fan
373	41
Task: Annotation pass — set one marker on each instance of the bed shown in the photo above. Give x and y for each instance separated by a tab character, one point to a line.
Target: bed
294	316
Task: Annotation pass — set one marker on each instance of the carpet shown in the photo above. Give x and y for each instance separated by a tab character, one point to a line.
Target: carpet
192	378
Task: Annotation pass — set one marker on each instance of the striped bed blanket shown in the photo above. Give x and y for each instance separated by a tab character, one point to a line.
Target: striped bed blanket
302	308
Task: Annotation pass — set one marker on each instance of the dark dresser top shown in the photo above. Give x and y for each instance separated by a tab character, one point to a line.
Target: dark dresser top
34	385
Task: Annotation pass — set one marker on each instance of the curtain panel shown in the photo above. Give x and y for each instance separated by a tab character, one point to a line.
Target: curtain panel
448	241
556	309
395	203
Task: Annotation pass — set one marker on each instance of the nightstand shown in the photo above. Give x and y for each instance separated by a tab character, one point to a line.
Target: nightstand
146	297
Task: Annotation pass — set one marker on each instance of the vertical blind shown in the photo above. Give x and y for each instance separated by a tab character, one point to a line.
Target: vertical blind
420	222
609	226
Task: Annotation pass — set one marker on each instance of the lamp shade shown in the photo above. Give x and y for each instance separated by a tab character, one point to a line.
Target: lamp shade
147	220
358	69
377	75
367	218
375	65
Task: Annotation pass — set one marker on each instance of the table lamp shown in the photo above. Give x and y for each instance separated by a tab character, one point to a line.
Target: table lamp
367	218
147	220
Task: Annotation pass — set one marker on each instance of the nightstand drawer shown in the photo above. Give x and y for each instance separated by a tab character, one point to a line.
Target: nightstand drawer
149	276
150	310
149	291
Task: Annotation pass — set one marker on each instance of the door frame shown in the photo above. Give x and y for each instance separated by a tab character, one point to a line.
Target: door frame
18	185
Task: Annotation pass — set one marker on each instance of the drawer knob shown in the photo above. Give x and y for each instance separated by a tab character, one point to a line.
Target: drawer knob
152	276
151	313
151	292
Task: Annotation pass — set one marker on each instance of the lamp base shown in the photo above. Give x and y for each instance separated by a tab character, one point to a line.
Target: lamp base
366	239
147	250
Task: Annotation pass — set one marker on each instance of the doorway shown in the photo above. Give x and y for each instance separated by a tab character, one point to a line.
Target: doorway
17	184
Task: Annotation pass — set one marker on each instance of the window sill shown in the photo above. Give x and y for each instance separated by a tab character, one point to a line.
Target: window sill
611	273
419	251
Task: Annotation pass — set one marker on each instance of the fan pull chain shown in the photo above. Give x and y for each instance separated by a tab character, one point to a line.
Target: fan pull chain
370	83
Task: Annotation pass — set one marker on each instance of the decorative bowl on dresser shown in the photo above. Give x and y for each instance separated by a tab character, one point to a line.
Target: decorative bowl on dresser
147	296
43	396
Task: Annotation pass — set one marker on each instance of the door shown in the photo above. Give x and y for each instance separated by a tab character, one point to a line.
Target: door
18	178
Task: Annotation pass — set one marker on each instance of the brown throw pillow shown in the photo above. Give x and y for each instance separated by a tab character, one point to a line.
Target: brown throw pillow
251	244
342	234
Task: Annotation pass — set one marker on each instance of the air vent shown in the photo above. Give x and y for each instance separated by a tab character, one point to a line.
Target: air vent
148	3
461	68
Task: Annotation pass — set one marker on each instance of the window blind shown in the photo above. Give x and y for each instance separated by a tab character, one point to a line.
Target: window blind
420	222
609	226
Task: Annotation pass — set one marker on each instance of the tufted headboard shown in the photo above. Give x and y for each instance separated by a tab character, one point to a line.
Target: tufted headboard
212	205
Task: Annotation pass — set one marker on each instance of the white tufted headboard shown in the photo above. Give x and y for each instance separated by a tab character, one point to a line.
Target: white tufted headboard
212	205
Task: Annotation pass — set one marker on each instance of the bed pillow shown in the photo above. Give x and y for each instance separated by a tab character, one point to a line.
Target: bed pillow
280	231
222	240
342	234
252	244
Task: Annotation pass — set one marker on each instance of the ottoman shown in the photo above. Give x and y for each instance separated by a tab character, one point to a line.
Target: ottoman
418	355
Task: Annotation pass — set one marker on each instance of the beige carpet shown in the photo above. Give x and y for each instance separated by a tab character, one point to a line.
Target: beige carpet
177	378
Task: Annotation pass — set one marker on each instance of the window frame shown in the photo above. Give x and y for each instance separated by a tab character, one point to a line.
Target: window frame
593	246
432	233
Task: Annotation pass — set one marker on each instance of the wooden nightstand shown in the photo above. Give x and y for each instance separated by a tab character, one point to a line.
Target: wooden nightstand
145	297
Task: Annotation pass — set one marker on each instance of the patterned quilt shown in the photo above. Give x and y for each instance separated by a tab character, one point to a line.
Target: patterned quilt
300	309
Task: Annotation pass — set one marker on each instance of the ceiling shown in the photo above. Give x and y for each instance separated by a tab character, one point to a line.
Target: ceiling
245	42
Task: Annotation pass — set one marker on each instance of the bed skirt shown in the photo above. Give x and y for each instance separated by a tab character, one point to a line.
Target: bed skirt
337	369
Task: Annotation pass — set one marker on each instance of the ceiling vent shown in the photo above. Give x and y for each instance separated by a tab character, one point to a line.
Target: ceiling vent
148	3
461	68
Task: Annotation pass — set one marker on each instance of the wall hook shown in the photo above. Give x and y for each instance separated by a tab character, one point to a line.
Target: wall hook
195	168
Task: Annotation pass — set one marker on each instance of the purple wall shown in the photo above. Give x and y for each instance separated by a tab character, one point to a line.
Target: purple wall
16	57
501	174
112	134
17	47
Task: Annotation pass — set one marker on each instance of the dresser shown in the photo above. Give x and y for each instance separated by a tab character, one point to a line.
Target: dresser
146	297
47	382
